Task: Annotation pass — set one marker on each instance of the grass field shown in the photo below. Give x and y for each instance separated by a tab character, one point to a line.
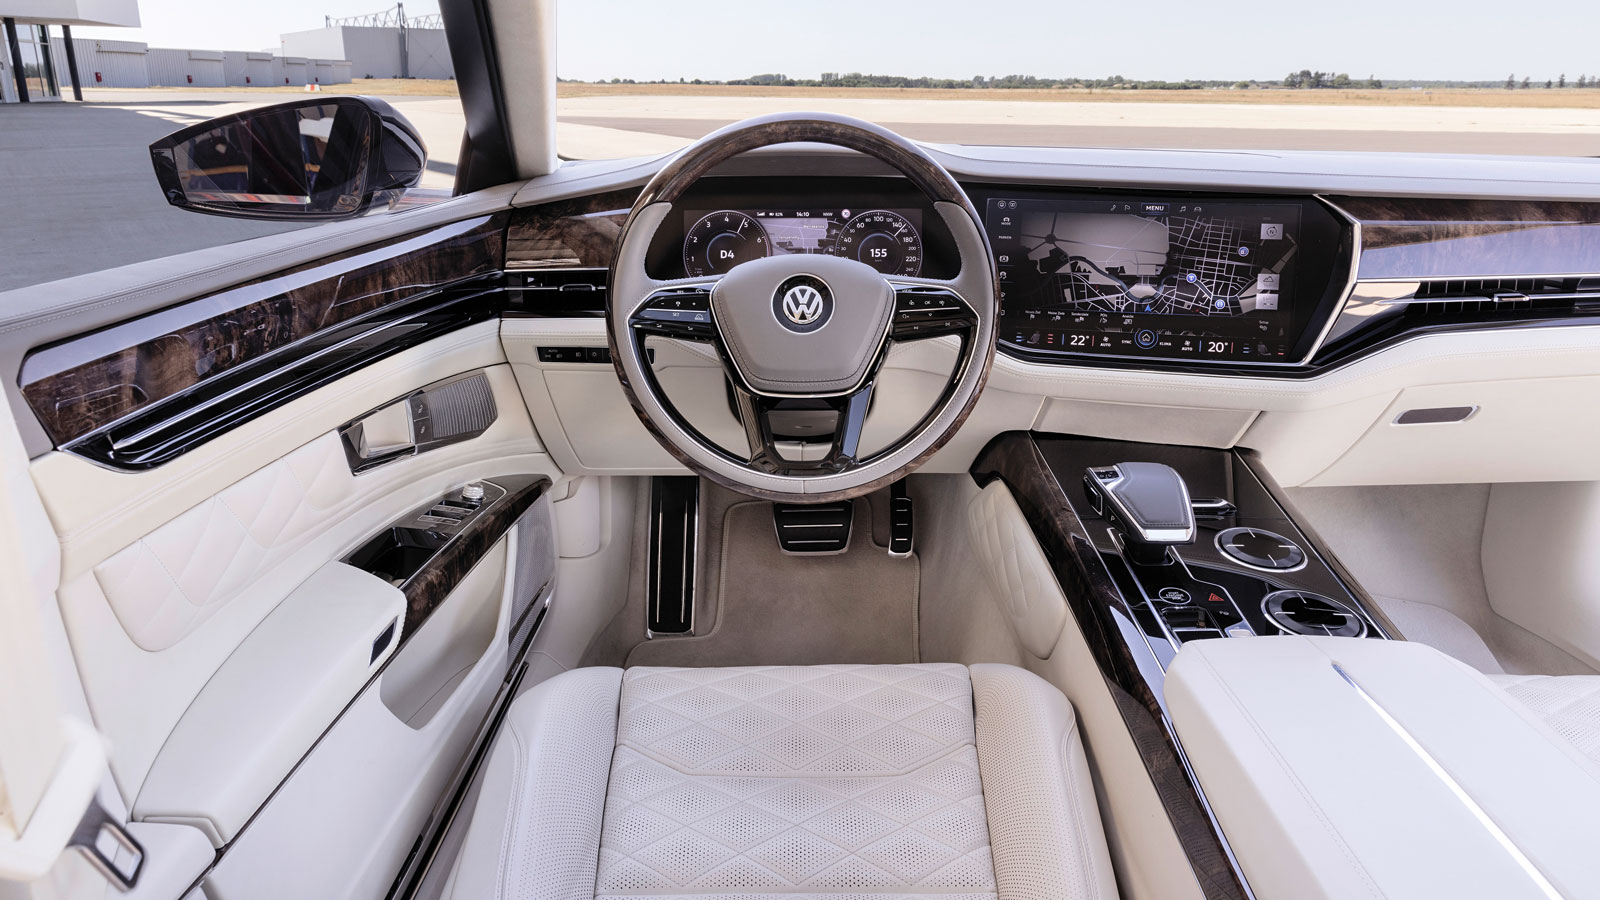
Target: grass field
1568	98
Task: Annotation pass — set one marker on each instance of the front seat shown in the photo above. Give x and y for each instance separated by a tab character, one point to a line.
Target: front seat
838	782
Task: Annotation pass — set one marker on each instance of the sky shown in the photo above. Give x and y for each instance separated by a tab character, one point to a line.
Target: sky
1147	39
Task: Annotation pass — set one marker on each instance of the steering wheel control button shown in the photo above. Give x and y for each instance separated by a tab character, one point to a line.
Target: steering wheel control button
1175	595
1260	549
685	312
802	303
1302	612
927	312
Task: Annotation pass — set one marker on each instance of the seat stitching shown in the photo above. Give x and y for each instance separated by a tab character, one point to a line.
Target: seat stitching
1074	801
831	776
519	768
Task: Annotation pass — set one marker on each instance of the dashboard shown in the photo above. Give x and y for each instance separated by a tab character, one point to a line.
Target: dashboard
1178	278
1255	283
1464	286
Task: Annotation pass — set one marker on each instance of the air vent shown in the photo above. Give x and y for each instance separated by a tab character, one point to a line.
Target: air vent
1519	296
557	293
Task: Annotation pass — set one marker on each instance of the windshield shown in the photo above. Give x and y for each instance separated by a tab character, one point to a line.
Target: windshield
82	102
644	77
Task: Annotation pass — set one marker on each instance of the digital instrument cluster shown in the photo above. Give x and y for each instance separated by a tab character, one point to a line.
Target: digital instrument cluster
889	240
1150	277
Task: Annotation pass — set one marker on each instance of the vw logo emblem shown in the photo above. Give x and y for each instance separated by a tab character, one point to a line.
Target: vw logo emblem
802	303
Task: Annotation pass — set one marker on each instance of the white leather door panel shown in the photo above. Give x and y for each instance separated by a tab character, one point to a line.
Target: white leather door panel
153	619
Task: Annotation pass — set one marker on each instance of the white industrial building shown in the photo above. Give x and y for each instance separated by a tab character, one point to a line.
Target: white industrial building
377	51
37	59
40	60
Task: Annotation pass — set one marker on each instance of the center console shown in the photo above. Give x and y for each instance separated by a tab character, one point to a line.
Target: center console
1159	547
1222	560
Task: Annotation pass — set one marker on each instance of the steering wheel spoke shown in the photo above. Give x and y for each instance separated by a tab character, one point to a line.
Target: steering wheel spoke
926	311
681	311
787	434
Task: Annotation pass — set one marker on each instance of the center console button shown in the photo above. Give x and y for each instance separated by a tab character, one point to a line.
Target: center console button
1175	595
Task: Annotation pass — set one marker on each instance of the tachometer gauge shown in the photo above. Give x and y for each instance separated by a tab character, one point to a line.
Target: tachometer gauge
722	240
883	240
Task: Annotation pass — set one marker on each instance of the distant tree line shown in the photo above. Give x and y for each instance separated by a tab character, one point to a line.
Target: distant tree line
1584	81
1305	78
978	82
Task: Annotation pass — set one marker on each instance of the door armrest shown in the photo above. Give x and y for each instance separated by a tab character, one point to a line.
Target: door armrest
270	701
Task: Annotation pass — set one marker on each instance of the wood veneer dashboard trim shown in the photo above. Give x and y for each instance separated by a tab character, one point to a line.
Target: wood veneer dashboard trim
1432	238
138	393
431	585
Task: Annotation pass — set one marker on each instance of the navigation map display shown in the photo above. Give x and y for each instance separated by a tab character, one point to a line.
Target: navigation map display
1147	277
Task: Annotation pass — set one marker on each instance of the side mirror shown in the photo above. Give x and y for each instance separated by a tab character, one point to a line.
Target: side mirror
312	160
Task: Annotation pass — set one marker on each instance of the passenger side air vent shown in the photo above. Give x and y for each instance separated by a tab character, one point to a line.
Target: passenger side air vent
1518	296
1381	312
556	293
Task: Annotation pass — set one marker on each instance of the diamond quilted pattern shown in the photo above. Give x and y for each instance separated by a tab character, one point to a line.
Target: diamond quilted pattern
836	781
176	577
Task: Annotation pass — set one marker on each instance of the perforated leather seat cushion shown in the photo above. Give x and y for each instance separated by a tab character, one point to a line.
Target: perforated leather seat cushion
1569	704
837	782
825	779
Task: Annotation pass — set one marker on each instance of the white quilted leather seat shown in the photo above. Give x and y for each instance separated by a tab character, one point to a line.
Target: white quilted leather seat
823	782
1569	704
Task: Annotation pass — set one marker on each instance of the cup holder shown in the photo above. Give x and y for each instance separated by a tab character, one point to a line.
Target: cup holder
396	554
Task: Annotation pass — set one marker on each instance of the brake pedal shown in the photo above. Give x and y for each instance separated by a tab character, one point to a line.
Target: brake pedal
813	527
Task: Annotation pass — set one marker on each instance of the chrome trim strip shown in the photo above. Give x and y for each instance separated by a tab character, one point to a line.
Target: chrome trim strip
1496	297
1521	859
1350	281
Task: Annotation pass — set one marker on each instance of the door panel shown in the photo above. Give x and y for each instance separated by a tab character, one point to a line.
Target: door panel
265	671
153	621
347	816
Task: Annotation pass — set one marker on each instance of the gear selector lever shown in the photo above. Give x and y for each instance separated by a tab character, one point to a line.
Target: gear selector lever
1148	503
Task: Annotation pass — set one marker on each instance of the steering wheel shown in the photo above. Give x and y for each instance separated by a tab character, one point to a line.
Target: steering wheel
802	337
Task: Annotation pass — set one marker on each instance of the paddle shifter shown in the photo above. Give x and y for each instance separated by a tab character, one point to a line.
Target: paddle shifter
1148	503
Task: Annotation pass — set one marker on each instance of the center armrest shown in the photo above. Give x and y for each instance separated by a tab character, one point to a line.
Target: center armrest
1341	768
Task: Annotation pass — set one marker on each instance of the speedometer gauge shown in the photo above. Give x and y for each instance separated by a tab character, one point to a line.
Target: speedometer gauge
722	240
882	239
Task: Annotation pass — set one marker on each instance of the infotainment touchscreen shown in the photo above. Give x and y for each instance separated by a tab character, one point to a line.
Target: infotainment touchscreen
1147	276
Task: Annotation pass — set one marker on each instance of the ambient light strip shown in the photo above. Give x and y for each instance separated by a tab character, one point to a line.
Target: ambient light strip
1545	887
